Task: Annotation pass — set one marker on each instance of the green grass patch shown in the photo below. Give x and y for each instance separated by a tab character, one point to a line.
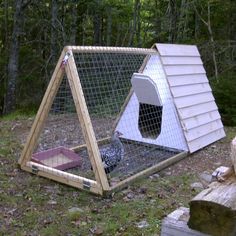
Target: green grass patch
31	205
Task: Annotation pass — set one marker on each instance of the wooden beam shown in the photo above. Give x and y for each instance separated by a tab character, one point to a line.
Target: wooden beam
127	50
150	170
63	177
100	141
42	113
85	121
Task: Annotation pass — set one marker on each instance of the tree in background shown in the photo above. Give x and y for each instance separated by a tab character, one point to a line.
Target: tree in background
13	62
33	34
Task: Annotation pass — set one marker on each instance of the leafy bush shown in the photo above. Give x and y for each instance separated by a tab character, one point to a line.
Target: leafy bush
224	91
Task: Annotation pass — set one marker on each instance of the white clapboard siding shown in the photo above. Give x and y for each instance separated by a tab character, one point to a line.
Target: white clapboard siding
193	98
197	110
181	60
177	50
184	69
199	120
203	141
183	91
180	80
202	130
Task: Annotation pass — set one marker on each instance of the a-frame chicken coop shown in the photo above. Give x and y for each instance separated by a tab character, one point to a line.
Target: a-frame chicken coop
158	100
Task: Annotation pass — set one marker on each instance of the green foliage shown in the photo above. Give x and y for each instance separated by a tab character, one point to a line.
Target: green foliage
121	23
224	92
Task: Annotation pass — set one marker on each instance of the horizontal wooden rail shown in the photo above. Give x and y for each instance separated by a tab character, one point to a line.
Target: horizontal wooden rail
93	49
149	171
63	177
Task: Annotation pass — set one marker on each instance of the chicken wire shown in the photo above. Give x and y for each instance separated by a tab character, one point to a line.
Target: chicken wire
106	83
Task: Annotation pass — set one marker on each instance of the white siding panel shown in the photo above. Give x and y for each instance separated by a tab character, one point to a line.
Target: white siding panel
177	50
206	140
187	90
180	80
197	110
184	70
199	120
194	101
191	100
203	130
181	60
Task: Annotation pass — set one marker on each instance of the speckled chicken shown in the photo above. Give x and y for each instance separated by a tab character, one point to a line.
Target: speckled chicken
113	154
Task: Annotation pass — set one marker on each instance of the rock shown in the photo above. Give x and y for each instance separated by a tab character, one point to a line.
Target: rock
155	176
75	209
143	190
130	195
97	230
206	177
142	224
51	202
219	171
217	164
168	173
197	186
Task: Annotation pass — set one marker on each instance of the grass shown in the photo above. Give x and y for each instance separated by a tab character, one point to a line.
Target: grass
18	114
31	205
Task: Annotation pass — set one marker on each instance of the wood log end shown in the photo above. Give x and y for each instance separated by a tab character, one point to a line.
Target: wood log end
212	218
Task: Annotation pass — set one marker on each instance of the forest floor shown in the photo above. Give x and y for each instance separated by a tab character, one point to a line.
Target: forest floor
31	205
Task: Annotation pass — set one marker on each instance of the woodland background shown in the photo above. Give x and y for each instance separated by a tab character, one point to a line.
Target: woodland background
33	33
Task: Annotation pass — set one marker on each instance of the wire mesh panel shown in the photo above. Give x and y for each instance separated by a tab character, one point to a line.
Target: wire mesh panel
106	83
62	131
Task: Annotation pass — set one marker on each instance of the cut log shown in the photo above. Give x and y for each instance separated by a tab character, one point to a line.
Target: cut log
233	153
213	211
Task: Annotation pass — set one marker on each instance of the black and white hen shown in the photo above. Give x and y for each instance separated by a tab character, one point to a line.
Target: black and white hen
112	154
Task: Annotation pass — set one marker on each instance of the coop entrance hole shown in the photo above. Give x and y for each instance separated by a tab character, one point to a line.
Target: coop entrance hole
150	105
150	119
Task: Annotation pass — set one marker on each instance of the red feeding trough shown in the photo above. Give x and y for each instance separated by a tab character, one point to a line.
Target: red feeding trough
59	158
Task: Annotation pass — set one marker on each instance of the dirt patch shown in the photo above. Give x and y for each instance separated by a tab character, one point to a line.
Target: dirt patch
69	131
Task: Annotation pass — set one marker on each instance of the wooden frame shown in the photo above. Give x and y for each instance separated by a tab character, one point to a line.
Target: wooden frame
66	64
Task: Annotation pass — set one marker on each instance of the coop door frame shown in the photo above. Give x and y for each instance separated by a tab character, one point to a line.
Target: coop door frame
66	64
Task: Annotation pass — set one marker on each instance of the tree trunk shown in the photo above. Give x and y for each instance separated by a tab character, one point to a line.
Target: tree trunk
54	13
74	27
13	63
209	28
182	21
134	23
138	31
172	15
109	25
97	24
118	34
212	40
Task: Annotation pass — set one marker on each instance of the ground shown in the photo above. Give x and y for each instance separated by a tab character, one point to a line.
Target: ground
31	205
